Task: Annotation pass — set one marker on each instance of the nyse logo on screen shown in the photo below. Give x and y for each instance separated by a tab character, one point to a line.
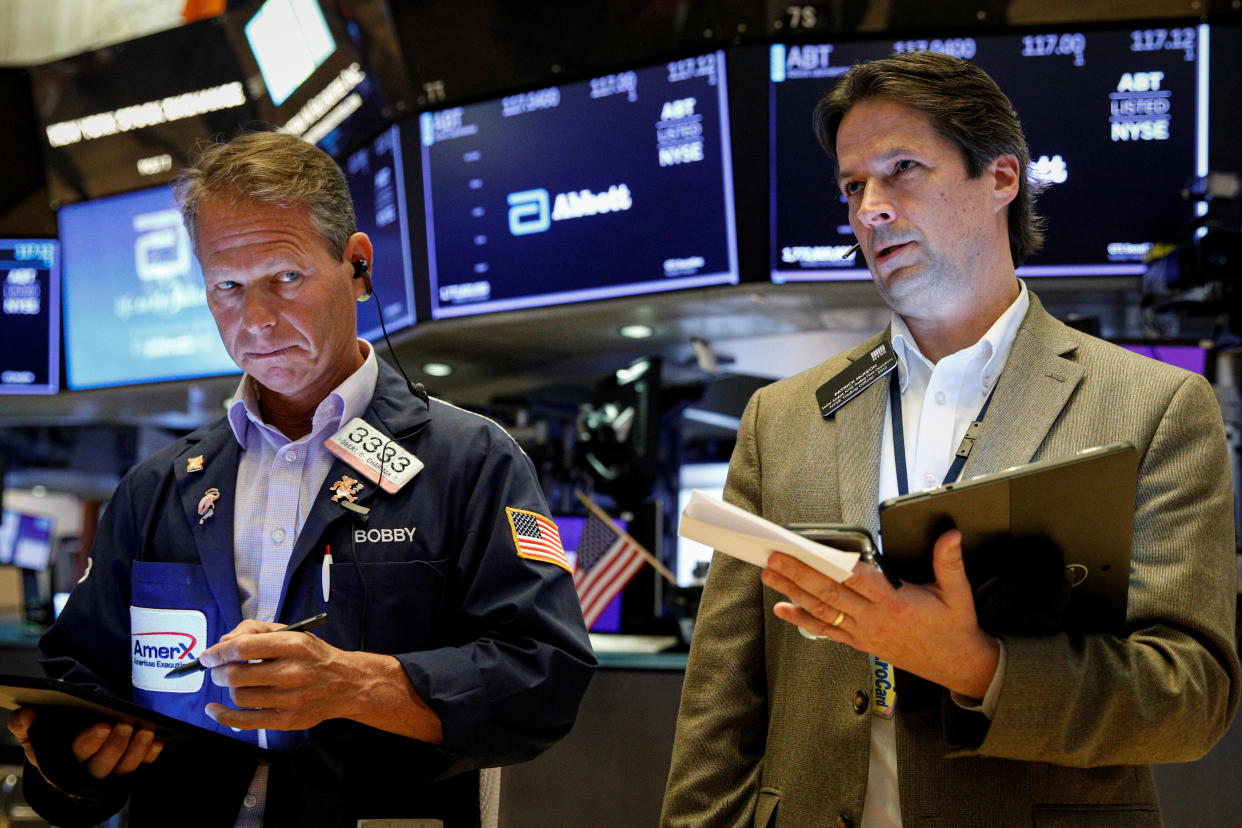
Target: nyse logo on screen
162	247
1140	109
529	212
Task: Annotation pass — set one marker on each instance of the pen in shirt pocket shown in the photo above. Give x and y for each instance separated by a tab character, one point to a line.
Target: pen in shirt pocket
325	573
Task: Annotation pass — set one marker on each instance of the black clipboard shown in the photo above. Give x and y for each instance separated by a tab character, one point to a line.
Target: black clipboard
1063	523
33	691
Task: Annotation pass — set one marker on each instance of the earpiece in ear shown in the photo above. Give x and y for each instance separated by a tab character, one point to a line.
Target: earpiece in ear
362	271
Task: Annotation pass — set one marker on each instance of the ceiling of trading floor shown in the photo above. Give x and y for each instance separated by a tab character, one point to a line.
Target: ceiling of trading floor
37	31
33	32
558	353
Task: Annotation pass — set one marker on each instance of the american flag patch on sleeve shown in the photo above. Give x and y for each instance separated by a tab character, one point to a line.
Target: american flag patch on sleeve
536	537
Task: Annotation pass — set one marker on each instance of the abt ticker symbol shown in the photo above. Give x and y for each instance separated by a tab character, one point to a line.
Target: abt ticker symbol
530	211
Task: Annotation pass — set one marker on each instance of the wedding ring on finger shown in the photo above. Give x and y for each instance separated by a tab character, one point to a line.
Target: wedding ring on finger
836	622
810	636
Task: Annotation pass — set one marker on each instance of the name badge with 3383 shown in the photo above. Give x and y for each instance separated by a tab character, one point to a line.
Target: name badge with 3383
374	455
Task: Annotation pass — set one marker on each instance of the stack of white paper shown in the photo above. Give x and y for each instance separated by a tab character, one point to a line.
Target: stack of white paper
750	538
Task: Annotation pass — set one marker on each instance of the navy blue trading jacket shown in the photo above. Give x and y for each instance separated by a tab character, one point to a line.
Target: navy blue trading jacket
493	642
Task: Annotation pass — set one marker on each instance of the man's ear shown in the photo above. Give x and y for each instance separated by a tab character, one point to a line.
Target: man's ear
1006	174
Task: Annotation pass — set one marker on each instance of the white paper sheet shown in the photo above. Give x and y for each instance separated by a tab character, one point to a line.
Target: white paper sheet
750	538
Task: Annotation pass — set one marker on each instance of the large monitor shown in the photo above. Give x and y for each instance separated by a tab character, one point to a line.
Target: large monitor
290	39
25	540
129	116
29	316
1116	121
377	184
614	186
317	76
135	309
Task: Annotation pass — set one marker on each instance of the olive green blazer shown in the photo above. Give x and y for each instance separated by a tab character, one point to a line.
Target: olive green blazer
768	734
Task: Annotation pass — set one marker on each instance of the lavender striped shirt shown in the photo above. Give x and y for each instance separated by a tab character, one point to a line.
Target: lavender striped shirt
278	480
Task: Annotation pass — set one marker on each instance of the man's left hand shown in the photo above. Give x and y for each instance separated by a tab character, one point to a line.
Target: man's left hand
930	630
295	680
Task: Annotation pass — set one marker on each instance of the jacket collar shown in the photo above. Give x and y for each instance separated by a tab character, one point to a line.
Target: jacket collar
859	435
1035	386
1033	390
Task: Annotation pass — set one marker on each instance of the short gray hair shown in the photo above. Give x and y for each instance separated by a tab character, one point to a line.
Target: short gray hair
270	168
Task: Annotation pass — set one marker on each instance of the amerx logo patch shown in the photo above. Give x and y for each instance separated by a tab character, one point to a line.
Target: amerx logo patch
180	648
161	639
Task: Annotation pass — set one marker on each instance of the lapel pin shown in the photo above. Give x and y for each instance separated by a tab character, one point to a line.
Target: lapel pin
207	504
194	464
363	512
346	488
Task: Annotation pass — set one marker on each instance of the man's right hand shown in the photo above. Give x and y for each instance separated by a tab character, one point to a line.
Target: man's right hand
104	749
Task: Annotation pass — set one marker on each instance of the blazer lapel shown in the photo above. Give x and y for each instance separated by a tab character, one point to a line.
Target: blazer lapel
859	427
216	456
1032	390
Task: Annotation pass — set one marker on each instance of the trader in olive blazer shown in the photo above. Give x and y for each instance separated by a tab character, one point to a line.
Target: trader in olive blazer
776	726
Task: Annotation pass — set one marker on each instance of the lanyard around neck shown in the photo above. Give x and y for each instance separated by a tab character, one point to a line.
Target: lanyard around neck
899	437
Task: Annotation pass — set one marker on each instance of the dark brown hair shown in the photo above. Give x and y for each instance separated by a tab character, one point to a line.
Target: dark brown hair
966	107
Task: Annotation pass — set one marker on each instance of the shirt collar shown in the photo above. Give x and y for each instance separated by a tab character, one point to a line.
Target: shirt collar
996	343
343	403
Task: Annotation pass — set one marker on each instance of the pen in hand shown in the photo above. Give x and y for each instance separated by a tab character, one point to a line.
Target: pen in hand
304	625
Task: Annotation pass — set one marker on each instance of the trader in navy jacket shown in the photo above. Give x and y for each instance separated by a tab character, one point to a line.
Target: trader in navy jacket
455	640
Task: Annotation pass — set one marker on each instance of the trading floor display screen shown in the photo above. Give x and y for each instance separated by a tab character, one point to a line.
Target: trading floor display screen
29	316
614	186
376	177
1116	122
135	307
25	540
131	115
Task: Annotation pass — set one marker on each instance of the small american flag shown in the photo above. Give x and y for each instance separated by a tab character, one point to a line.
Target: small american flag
607	561
536	537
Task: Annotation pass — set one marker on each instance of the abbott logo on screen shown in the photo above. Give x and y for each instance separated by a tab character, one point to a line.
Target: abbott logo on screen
529	212
162	246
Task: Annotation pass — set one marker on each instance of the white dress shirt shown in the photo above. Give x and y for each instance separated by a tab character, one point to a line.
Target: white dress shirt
938	403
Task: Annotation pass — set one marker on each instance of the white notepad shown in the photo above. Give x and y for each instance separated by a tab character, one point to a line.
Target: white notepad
748	537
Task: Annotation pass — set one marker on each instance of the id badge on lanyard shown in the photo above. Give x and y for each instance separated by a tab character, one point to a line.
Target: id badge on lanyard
883	689
883	676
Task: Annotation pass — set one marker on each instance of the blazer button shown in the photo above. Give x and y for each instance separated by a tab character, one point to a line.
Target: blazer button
861	703
844	822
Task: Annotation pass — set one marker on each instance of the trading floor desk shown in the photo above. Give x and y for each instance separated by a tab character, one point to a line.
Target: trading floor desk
609	772
17	647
